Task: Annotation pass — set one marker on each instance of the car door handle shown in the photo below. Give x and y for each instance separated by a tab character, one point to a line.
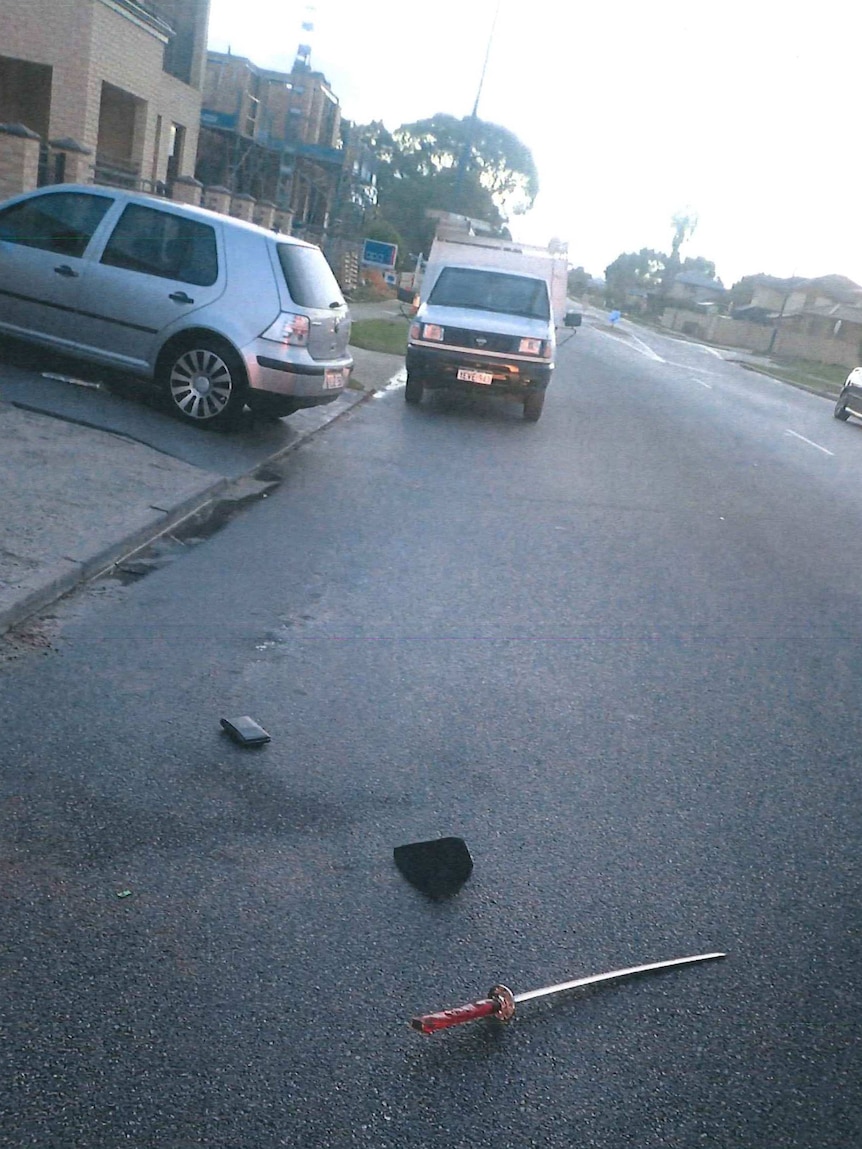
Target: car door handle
68	272
180	297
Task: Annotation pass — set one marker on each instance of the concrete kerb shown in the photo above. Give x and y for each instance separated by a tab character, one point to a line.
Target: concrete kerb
63	581
80	571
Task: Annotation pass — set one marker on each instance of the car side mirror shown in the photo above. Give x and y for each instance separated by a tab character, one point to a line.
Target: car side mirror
573	319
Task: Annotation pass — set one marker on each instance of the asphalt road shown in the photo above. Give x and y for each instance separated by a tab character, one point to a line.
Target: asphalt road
618	651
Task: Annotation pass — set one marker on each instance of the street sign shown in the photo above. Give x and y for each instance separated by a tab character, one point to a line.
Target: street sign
377	254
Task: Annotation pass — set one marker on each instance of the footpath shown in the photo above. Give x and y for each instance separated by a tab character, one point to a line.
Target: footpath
78	499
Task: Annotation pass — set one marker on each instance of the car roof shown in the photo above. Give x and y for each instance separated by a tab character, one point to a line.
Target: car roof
186	209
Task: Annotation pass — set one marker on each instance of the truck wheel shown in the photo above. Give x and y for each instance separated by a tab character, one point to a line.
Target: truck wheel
534	401
413	390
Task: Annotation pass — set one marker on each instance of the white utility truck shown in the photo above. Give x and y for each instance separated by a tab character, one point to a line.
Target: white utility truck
487	318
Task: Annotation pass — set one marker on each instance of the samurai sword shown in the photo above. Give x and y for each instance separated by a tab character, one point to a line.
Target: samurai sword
501	1002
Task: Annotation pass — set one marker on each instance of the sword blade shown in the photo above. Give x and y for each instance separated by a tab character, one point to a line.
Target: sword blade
614	975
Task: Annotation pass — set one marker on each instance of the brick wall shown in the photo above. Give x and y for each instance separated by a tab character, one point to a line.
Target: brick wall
836	351
19	162
727	332
88	43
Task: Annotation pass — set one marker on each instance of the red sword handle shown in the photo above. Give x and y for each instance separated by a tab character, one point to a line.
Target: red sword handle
499	1003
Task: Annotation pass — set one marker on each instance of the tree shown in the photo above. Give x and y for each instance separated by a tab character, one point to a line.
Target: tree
742	291
700	265
684	224
468	167
578	281
649	275
634	274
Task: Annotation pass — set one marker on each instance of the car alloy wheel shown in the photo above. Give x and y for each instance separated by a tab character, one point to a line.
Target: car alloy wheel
205	382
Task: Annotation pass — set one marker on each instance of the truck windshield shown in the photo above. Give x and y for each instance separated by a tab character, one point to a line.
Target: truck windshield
491	291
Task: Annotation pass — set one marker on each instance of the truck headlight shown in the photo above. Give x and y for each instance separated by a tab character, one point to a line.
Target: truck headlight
531	346
432	332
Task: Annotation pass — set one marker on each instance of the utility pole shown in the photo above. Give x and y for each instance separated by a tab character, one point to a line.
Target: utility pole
470	135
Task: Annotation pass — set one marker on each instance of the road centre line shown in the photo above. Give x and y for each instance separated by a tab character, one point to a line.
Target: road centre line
809	442
699	370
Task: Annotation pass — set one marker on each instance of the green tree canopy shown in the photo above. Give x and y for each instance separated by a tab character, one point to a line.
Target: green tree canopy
467	166
634	271
578	281
649	273
700	265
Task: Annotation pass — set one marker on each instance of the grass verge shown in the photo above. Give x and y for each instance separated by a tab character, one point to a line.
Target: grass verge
387	335
821	378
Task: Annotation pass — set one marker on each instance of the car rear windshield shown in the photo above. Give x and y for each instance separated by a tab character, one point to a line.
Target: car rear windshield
309	277
491	291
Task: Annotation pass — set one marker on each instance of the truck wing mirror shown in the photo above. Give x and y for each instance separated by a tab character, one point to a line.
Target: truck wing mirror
573	319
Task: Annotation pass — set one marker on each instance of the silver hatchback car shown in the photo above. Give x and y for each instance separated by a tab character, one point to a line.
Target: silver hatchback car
217	312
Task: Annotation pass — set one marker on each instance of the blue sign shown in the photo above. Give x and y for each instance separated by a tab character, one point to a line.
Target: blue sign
379	254
212	119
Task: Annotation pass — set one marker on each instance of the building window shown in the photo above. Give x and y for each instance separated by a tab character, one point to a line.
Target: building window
176	146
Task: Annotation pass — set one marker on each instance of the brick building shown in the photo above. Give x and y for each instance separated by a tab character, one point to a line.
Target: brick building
273	135
112	87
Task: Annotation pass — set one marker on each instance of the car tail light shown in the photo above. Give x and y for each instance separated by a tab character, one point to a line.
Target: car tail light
290	329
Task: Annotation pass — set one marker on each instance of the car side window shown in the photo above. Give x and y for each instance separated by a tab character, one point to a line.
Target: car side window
63	222
161	243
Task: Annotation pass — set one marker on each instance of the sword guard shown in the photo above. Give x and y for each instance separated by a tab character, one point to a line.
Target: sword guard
506	999
499	1003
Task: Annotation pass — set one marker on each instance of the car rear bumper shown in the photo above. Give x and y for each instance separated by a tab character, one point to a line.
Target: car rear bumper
308	383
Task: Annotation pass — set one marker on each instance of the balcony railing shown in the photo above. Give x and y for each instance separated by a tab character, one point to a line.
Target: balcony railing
115	172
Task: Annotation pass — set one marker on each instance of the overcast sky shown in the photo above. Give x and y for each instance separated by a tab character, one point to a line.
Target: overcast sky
747	112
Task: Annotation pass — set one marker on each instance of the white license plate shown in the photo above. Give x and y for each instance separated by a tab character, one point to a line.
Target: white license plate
475	376
332	380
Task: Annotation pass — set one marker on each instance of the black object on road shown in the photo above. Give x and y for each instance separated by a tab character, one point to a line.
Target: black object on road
245	731
438	867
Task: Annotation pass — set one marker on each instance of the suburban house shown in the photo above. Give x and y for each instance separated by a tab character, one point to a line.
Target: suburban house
816	319
772	299
694	288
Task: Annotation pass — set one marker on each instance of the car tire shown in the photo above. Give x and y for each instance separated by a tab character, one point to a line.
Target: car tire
414	389
841	411
266	406
534	401
203	381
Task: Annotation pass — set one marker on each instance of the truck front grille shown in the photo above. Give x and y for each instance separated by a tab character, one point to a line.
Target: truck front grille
481	340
